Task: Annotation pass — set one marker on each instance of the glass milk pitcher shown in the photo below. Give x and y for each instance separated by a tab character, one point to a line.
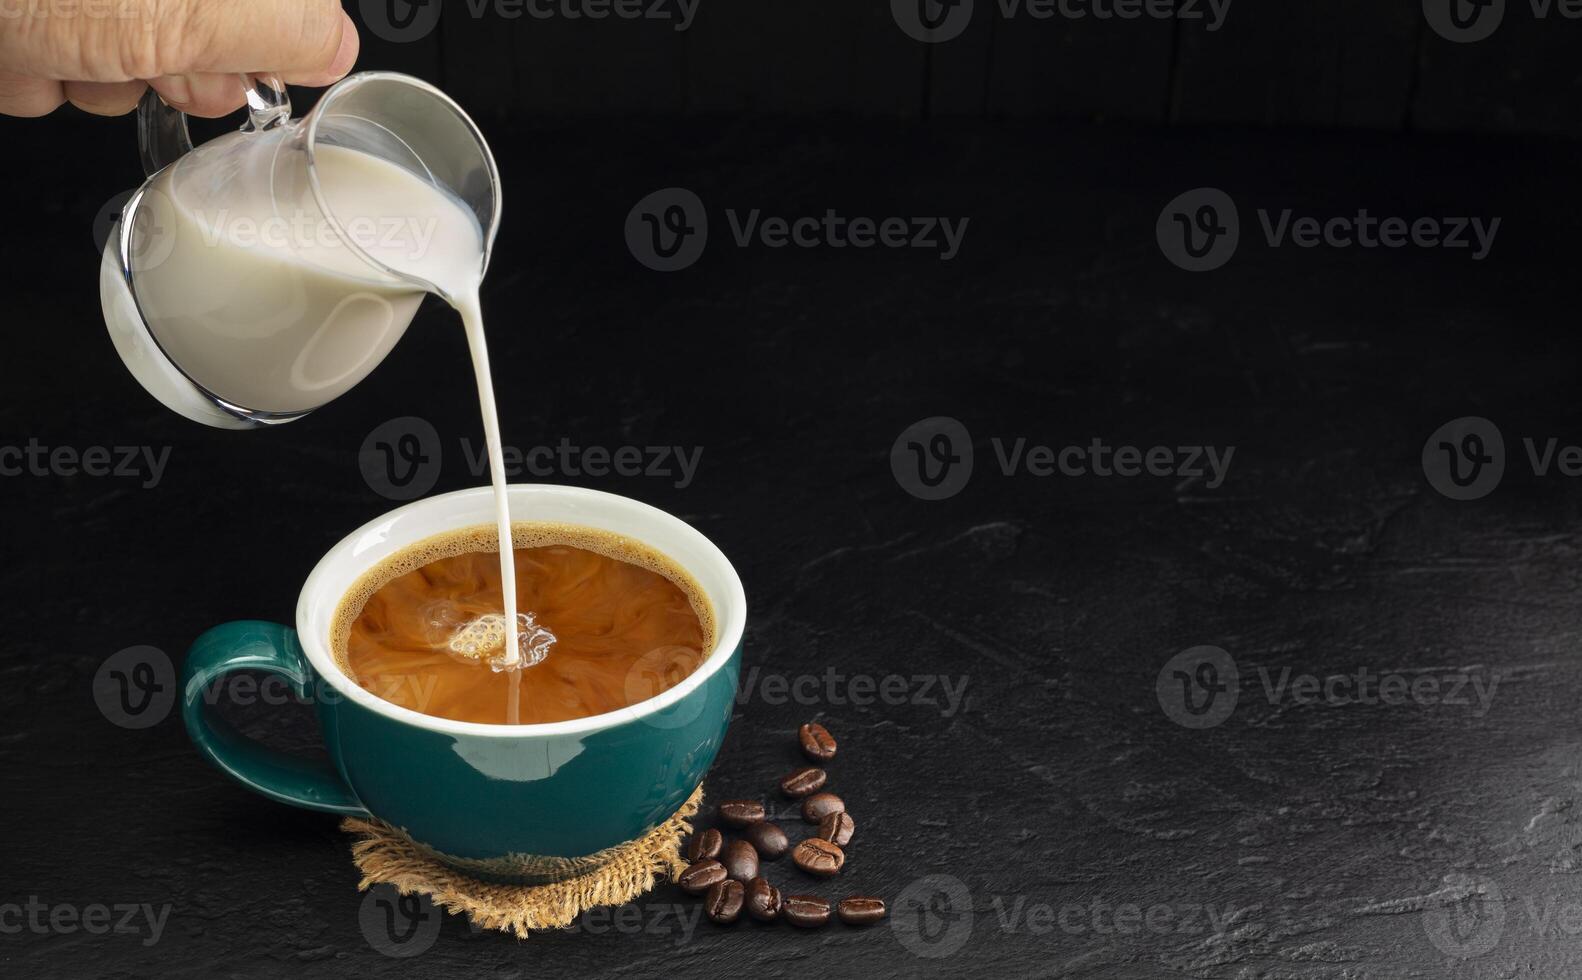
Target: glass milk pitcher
254	278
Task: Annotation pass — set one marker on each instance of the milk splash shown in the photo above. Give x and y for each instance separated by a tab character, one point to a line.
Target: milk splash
484	637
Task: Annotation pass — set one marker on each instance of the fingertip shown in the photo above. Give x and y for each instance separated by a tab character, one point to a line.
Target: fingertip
174	89
29	97
105	98
346	55
214	108
340	65
206	95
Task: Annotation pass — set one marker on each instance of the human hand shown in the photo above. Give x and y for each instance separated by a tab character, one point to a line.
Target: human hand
101	55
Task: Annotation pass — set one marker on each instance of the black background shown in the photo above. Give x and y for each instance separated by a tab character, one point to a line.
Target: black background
1342	840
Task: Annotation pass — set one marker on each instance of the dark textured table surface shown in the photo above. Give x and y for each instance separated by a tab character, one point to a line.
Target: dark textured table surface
1025	794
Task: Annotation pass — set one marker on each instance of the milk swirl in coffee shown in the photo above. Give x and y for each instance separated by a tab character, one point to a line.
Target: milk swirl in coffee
613	623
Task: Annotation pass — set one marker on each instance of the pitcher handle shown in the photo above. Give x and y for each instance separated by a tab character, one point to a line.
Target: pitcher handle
162	136
268	105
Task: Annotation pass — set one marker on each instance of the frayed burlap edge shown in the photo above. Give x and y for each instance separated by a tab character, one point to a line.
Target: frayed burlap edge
386	857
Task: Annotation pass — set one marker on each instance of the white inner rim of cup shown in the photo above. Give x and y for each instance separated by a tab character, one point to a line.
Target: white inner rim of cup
366	547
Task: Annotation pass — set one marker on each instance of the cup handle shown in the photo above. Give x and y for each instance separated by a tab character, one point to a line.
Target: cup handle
270	647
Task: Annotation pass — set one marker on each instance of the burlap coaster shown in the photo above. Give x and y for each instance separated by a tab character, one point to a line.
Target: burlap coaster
386	857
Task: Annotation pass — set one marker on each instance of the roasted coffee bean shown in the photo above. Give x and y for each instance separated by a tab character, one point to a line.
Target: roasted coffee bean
820	805
705	844
769	839
802	782
837	828
818	856
763	900
817	743
807	911
741	860
723	903
860	910
700	876
740	813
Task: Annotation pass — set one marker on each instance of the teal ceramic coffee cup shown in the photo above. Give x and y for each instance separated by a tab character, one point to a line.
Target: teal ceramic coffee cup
505	802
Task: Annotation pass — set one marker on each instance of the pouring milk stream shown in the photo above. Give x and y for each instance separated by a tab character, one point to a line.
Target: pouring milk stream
258	276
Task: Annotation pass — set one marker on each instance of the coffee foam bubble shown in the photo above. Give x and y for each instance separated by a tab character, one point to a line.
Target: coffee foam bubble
484	539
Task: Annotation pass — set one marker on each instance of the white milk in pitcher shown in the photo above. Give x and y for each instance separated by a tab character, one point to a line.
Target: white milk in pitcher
271	240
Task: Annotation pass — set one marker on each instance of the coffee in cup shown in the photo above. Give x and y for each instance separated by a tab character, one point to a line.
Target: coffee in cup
604	622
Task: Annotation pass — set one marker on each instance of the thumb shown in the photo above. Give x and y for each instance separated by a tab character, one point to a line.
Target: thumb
142	39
